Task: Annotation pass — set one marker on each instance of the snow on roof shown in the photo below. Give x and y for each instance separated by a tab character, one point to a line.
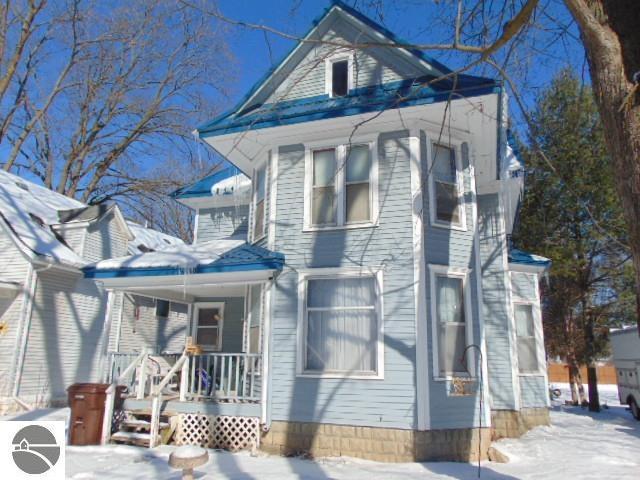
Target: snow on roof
29	211
238	184
147	239
176	256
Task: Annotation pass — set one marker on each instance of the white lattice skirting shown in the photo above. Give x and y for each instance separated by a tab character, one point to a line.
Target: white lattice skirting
230	433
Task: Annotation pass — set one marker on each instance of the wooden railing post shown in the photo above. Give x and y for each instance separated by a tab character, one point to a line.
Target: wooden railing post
155	419
107	419
184	380
142	380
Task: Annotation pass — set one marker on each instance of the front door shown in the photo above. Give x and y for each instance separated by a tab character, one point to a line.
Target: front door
209	319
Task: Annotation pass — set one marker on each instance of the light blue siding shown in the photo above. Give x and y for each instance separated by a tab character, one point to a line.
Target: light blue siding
390	402
454	248
533	391
371	66
495	307
524	286
221	222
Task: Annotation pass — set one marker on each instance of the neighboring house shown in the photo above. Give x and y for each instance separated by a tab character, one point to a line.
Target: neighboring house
52	329
374	307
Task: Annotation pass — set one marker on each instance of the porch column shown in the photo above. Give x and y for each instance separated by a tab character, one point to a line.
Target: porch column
106	335
266	355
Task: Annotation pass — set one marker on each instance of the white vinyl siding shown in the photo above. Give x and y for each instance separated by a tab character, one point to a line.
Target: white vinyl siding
259	204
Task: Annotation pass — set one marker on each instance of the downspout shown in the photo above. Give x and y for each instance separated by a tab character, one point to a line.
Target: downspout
25	320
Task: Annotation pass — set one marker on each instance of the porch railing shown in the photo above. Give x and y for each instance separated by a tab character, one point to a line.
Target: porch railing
224	377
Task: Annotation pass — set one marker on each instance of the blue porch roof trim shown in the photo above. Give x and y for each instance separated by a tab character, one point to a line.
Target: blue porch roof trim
202	188
351	11
400	94
243	258
526	258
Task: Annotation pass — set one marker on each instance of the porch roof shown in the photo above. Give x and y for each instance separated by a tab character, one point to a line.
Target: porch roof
219	256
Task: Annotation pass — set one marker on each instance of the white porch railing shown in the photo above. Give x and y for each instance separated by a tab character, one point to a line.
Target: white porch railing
225	377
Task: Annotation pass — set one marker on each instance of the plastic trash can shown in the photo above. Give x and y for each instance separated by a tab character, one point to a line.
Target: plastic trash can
86	401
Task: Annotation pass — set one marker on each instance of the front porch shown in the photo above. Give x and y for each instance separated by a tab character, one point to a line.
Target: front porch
206	360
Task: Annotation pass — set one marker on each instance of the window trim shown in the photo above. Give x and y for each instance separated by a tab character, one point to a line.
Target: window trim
537	335
452	272
340	184
254	203
196	313
328	72
456	146
329	273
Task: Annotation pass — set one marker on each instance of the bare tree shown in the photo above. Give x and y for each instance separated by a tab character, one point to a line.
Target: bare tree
96	103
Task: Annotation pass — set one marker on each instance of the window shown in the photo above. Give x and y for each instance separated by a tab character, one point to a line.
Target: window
342	183
526	339
258	205
341	326
323	210
162	308
451	321
339	76
447	195
209	318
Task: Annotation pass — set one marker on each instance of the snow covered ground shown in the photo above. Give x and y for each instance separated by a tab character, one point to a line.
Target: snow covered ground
578	445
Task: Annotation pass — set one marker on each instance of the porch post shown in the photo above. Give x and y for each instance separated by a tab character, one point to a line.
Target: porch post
106	335
266	354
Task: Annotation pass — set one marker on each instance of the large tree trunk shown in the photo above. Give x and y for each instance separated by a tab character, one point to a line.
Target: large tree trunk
610	31
594	398
575	383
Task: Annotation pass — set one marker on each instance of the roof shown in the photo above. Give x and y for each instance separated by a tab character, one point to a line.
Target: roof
400	94
525	258
147	239
227	182
226	255
29	210
34	214
246	117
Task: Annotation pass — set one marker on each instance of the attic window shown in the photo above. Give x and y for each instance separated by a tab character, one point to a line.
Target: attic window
338	77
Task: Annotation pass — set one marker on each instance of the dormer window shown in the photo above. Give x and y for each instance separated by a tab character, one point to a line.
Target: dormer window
339	76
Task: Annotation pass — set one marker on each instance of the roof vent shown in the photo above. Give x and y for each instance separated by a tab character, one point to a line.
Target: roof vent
36	219
22	185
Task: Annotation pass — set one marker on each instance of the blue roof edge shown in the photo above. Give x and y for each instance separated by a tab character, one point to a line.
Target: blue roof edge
315	22
202	187
526	258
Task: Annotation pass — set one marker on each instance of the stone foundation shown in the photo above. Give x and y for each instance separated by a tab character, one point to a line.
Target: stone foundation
379	444
514	424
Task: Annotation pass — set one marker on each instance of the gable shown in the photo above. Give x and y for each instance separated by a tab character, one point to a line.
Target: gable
371	66
301	73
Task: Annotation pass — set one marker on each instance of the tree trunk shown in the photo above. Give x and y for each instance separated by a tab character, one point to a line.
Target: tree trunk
611	35
594	399
575	380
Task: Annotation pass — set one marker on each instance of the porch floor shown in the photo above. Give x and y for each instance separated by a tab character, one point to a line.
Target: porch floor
240	409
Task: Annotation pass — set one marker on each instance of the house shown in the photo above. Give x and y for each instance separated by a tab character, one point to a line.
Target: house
351	290
51	318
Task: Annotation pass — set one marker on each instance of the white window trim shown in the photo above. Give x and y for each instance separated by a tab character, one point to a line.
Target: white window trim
328	72
453	272
340	184
538	337
196	313
328	273
254	201
456	145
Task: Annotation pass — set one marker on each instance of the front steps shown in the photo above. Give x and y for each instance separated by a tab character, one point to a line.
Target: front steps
135	428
